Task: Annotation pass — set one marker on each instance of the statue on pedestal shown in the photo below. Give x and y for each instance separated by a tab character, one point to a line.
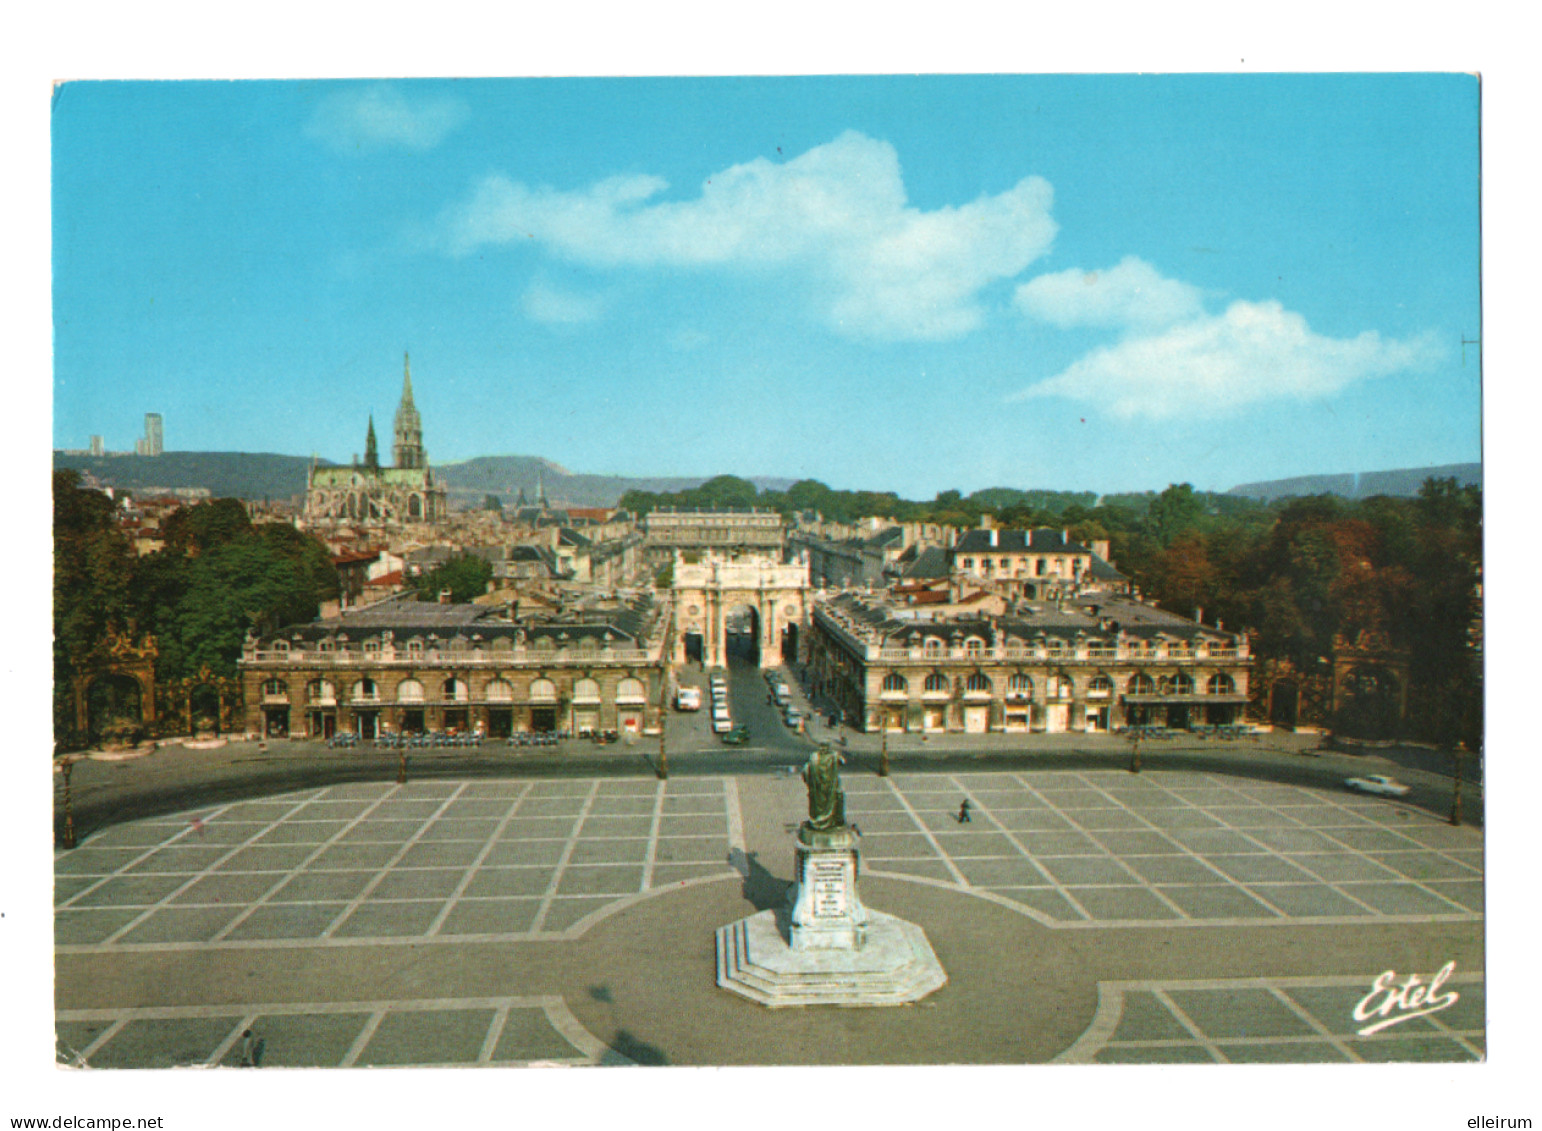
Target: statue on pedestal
826	798
826	948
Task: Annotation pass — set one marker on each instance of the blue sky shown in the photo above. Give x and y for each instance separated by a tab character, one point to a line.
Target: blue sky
1093	282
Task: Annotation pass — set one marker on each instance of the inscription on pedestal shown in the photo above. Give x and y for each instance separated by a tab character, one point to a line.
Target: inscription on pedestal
828	878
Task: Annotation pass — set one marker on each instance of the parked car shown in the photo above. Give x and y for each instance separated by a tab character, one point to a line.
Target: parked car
738	736
722	724
688	699
1379	784
792	716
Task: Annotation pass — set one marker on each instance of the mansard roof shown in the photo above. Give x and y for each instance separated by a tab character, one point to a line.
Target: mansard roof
874	616
627	621
1039	541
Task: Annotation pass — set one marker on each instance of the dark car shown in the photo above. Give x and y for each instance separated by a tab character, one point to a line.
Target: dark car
738	736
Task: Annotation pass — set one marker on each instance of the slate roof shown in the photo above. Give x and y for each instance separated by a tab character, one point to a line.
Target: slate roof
627	623
1103	619
1102	571
931	562
1040	541
888	536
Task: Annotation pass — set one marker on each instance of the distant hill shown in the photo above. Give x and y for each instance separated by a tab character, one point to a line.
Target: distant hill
263	475
236	475
504	476
1403	483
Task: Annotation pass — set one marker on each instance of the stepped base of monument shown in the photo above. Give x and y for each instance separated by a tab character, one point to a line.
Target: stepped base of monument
895	965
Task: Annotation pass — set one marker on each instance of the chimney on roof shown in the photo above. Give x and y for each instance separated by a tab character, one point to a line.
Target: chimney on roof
985	522
1065	536
1199	615
995	537
444	596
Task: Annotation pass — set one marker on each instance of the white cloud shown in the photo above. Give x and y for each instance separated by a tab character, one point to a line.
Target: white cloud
1217	364
378	117
838	213
1133	294
545	303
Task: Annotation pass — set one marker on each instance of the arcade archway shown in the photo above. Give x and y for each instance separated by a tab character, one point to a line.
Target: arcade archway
742	634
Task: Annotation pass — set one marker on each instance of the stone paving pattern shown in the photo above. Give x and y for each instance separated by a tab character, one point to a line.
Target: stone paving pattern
1095	847
1271	1021
572	921
486	859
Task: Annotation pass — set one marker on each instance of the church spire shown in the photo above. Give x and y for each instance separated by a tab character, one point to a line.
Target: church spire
407	450
371	449
540	489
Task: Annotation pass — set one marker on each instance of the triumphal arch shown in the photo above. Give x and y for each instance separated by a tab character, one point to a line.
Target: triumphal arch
764	599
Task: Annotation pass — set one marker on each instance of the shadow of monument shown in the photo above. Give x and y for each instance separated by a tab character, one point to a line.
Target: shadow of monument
763	889
638	1051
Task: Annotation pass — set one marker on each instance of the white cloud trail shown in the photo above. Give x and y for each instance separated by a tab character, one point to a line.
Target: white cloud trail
878	267
382	117
1214	365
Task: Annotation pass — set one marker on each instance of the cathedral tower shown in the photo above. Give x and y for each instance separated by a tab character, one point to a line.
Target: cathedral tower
407	451
371	448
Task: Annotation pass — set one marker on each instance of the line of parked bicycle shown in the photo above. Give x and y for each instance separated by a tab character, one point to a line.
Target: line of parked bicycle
348	741
1234	730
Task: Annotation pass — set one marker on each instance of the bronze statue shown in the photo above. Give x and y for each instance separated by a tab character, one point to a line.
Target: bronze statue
826	799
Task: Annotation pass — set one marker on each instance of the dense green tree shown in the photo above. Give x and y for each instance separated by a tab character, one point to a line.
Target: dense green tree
465	576
218	577
191	530
92	583
227	591
1175	511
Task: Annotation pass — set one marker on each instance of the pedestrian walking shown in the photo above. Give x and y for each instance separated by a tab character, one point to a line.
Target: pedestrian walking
963	812
248	1049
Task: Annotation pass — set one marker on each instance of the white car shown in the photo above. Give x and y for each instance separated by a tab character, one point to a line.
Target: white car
722	724
688	699
1379	784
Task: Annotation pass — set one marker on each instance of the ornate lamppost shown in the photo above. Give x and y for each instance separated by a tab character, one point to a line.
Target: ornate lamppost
66	767
663	767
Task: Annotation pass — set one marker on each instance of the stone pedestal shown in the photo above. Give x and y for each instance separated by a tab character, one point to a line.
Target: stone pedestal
825	947
826	913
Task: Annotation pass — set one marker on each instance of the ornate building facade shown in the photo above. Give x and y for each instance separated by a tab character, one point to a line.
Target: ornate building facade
404	666
668	531
368	494
1093	664
771	596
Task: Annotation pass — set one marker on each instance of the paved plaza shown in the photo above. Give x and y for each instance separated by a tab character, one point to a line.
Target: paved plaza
1083	916
1101	848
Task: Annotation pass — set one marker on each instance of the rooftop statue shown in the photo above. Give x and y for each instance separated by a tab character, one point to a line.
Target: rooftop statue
826	799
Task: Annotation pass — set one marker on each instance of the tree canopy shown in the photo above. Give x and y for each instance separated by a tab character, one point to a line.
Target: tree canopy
465	576
216	577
